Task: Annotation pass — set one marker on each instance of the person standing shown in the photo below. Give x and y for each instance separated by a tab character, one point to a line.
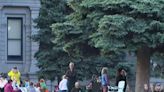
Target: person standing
121	78
63	84
71	74
104	79
14	75
43	86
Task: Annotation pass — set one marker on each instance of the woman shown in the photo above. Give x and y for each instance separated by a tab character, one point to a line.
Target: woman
104	80
8	87
43	86
121	78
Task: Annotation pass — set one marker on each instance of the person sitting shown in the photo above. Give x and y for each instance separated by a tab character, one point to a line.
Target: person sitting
3	82
76	88
31	87
158	88
8	87
43	86
146	88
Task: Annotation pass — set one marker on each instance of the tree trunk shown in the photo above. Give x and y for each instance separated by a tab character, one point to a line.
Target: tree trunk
143	68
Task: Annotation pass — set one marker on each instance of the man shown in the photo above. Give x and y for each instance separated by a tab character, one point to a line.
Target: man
71	75
77	87
14	75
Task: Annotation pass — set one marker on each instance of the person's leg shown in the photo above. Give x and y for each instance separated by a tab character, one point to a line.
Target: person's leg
69	86
105	89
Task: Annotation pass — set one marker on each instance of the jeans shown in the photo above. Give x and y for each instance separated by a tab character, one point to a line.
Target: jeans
63	91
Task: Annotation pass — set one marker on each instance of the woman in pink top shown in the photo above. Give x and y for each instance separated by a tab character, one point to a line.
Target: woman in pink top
8	87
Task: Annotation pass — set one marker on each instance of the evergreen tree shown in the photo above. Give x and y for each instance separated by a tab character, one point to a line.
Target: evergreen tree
52	11
62	44
112	26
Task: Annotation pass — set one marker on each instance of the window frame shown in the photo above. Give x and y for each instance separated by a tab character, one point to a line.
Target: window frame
15	57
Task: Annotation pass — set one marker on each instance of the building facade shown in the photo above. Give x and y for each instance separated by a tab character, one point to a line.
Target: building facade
16	27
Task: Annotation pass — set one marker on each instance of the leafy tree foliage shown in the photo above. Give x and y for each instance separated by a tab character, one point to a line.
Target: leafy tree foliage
111	26
52	11
64	42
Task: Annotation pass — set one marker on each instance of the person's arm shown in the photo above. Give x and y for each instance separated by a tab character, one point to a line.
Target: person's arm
60	85
67	73
125	83
19	74
117	80
10	73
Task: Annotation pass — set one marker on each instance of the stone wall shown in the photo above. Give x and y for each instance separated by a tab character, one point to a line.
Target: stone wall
28	10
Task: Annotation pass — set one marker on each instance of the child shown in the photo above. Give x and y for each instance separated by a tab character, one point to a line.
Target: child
43	86
63	84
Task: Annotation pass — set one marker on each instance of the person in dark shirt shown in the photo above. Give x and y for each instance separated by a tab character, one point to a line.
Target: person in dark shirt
71	75
121	76
76	88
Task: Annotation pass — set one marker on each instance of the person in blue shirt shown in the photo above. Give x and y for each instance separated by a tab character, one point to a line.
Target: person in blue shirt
104	79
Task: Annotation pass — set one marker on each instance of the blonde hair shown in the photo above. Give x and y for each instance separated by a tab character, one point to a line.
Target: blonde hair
104	70
71	63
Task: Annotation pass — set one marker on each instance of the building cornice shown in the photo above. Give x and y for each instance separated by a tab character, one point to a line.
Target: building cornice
32	4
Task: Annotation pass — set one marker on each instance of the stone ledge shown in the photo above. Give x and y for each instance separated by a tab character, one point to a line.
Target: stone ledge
33	4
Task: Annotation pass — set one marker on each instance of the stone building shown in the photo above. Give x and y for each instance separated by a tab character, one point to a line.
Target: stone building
16	28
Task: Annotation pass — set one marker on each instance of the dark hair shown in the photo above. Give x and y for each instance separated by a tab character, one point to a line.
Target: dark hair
15	67
120	70
9	81
31	83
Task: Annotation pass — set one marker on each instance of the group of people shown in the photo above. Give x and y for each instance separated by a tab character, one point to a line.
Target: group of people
156	87
69	82
13	83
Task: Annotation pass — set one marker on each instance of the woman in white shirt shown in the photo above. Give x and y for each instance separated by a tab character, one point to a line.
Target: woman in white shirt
63	84
3	82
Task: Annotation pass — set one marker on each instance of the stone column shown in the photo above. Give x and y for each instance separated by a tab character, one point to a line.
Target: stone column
34	45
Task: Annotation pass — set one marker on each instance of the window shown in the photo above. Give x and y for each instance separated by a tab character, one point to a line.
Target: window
14	39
